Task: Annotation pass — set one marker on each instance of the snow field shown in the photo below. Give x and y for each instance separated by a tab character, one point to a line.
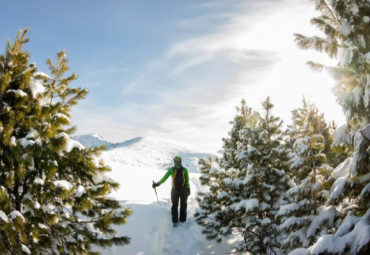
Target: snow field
150	227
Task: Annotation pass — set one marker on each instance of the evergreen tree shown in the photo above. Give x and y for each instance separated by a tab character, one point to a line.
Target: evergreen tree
52	189
346	25
212	214
249	192
263	183
304	218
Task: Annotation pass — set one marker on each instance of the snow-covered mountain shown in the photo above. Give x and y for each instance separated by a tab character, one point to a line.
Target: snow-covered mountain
147	151
135	164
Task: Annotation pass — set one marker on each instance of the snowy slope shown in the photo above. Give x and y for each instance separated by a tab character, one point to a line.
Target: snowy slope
135	164
146	152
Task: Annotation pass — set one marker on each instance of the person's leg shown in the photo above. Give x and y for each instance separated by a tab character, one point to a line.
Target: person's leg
175	195
183	204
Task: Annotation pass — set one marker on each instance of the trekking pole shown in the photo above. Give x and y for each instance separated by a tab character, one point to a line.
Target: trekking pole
155	192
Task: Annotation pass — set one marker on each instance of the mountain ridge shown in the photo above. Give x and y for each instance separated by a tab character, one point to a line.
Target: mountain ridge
147	152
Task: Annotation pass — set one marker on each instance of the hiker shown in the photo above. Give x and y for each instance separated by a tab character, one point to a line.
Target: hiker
180	189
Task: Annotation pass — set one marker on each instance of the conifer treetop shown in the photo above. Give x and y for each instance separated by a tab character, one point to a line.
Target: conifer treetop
346	25
53	191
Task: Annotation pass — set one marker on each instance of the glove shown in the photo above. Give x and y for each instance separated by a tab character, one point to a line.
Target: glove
155	184
188	192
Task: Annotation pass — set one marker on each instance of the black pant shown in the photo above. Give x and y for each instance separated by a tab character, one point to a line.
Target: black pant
176	195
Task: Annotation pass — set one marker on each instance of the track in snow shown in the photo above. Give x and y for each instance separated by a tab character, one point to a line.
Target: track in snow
152	233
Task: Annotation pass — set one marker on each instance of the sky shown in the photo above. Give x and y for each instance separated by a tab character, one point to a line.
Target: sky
176	69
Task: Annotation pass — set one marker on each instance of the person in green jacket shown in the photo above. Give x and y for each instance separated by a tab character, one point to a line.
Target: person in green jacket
180	189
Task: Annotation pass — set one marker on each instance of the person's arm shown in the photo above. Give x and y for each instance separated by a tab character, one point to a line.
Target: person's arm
165	177
187	183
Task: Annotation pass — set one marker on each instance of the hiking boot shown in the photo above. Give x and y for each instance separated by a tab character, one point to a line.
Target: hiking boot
175	224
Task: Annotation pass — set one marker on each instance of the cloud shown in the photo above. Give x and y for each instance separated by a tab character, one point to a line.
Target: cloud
209	62
190	92
180	94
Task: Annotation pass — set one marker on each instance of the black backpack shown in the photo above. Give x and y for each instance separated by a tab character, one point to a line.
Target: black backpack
178	181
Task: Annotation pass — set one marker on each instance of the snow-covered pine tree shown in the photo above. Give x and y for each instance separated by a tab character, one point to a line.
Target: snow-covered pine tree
304	218
246	188
346	25
258	191
213	202
53	191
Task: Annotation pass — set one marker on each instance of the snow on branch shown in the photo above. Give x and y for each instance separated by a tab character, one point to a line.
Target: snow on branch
3	217
355	239
16	214
18	92
63	184
326	214
341	136
36	87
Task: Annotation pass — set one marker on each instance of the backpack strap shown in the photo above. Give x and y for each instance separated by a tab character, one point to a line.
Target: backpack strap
183	177
174	176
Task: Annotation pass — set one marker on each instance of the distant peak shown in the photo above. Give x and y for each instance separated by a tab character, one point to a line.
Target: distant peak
92	140
97	136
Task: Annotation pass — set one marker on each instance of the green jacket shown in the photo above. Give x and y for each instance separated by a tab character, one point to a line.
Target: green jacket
171	172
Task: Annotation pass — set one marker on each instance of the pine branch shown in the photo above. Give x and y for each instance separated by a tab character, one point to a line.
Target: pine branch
324	26
317	43
329	10
322	6
23	39
316	67
251	232
313	42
